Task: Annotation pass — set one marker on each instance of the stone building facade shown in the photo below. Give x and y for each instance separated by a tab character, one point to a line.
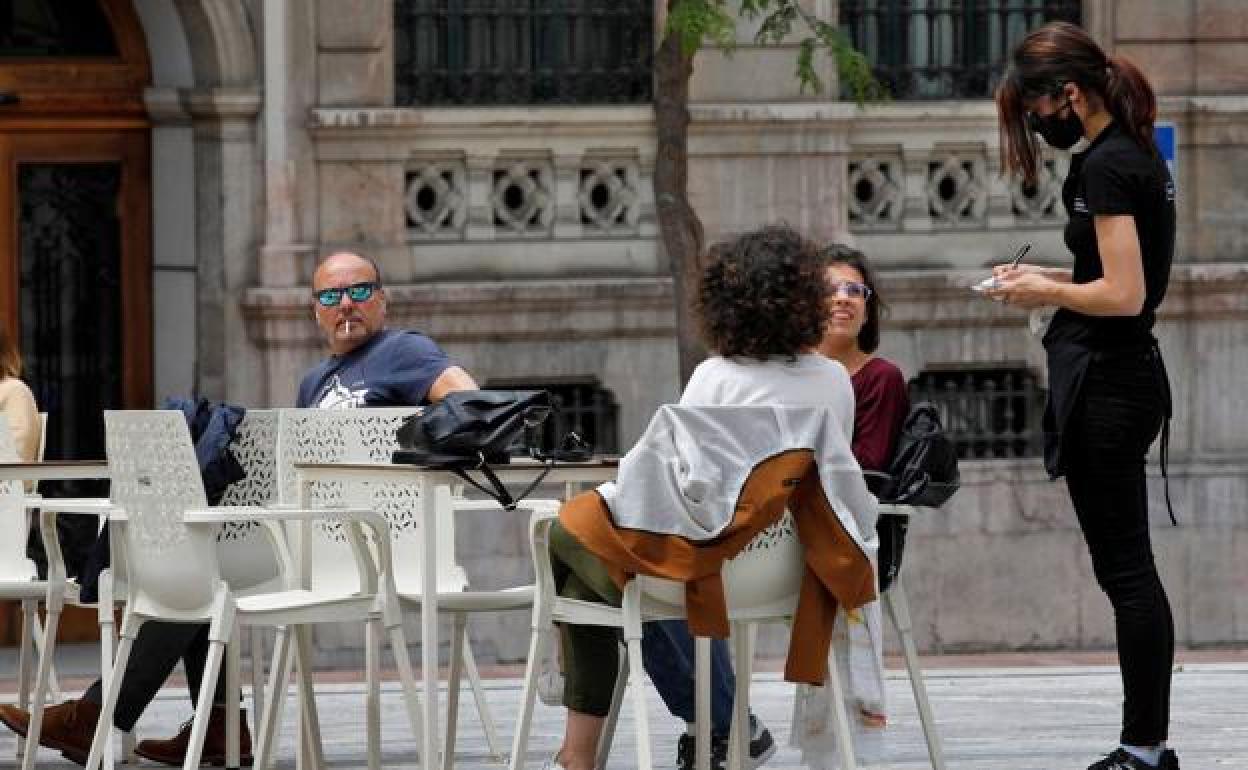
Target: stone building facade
522	237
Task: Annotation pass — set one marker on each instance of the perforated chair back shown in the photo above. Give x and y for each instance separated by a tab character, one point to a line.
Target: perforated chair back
361	436
714	450
248	562
172	568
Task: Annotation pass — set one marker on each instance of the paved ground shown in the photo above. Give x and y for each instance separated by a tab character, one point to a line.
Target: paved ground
1016	716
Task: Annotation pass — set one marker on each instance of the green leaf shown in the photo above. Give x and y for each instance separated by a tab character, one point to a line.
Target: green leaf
807	77
777	26
695	22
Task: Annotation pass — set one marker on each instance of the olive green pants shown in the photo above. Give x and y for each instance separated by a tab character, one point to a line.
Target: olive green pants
590	653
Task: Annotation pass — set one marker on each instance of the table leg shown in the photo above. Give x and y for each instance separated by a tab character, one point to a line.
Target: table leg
429	499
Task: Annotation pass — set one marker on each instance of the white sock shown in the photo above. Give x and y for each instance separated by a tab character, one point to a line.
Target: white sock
1149	754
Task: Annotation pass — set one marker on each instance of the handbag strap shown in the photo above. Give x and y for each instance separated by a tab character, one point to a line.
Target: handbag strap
499	491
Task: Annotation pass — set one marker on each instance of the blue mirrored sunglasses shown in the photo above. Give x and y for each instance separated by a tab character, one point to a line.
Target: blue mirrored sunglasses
358	292
851	289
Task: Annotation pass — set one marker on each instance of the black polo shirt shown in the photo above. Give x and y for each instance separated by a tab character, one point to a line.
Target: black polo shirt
1115	176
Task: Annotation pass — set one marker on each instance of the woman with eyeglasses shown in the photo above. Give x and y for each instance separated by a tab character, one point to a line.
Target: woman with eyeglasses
1108	392
851	334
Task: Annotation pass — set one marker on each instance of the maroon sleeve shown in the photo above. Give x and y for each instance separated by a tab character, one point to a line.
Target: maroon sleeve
882	402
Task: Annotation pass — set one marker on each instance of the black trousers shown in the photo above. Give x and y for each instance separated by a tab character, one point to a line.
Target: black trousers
156	650
1119	412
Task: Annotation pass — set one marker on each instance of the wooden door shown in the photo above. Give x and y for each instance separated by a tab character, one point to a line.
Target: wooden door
75	226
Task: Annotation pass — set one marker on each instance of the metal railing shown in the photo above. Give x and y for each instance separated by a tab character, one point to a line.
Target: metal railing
987	412
945	49
495	52
582	405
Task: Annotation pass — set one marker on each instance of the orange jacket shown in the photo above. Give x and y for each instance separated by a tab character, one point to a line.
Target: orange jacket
837	571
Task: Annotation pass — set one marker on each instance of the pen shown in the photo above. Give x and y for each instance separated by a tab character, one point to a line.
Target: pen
1022	252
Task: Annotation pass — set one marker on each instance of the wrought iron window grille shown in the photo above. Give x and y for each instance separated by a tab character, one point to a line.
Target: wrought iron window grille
989	412
581	405
524	52
944	49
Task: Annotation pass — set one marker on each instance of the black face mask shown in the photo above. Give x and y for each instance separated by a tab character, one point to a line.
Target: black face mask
1058	132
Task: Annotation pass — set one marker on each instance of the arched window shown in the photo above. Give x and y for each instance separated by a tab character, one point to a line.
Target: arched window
64	28
494	52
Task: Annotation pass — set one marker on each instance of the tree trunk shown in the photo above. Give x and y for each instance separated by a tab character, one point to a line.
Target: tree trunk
679	225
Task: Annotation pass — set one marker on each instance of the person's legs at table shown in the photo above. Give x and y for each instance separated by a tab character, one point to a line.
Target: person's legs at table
1116	421
590	653
172	751
668	654
70	726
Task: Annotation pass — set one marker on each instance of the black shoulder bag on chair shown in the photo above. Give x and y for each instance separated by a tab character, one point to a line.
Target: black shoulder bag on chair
470	429
923	472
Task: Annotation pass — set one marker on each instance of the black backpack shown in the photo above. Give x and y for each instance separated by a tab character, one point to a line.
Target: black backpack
924	470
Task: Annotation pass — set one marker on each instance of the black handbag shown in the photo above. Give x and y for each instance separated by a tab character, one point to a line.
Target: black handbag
471	429
924	469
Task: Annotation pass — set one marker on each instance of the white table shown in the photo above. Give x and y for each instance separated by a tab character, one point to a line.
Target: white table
54	470
427	480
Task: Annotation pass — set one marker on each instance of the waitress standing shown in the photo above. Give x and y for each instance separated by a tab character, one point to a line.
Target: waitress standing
1108	392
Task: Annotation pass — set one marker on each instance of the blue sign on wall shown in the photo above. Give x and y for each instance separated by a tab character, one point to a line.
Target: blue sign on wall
1167	137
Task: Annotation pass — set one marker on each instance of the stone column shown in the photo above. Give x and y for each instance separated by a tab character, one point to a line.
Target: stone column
174	264
281	253
226	234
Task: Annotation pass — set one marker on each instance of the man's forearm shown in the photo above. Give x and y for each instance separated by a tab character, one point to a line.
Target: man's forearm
449	381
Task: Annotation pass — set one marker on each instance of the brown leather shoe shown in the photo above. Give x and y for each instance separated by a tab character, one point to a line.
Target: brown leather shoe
173	750
17	720
68	728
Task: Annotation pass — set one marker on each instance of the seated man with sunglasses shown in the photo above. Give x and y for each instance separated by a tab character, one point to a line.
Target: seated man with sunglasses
368	365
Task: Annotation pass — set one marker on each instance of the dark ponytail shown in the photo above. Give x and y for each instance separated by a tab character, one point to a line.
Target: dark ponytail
1130	99
1042	64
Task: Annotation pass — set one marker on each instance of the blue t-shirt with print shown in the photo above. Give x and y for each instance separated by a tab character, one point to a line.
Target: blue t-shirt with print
394	368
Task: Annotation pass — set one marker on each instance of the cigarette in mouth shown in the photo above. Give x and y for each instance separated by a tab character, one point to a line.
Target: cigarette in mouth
348	325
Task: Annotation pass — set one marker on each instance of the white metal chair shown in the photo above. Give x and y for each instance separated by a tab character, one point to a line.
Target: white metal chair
167	535
898	607
761	584
368	435
18	581
245	551
648	599
248	561
18	578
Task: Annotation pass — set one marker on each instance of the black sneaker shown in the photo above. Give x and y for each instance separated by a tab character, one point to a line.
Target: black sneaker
762	747
1121	759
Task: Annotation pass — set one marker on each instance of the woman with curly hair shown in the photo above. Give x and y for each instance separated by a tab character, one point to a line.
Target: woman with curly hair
762	304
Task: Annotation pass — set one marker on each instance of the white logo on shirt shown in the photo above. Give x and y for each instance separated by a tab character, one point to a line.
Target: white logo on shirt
1081	206
339	396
